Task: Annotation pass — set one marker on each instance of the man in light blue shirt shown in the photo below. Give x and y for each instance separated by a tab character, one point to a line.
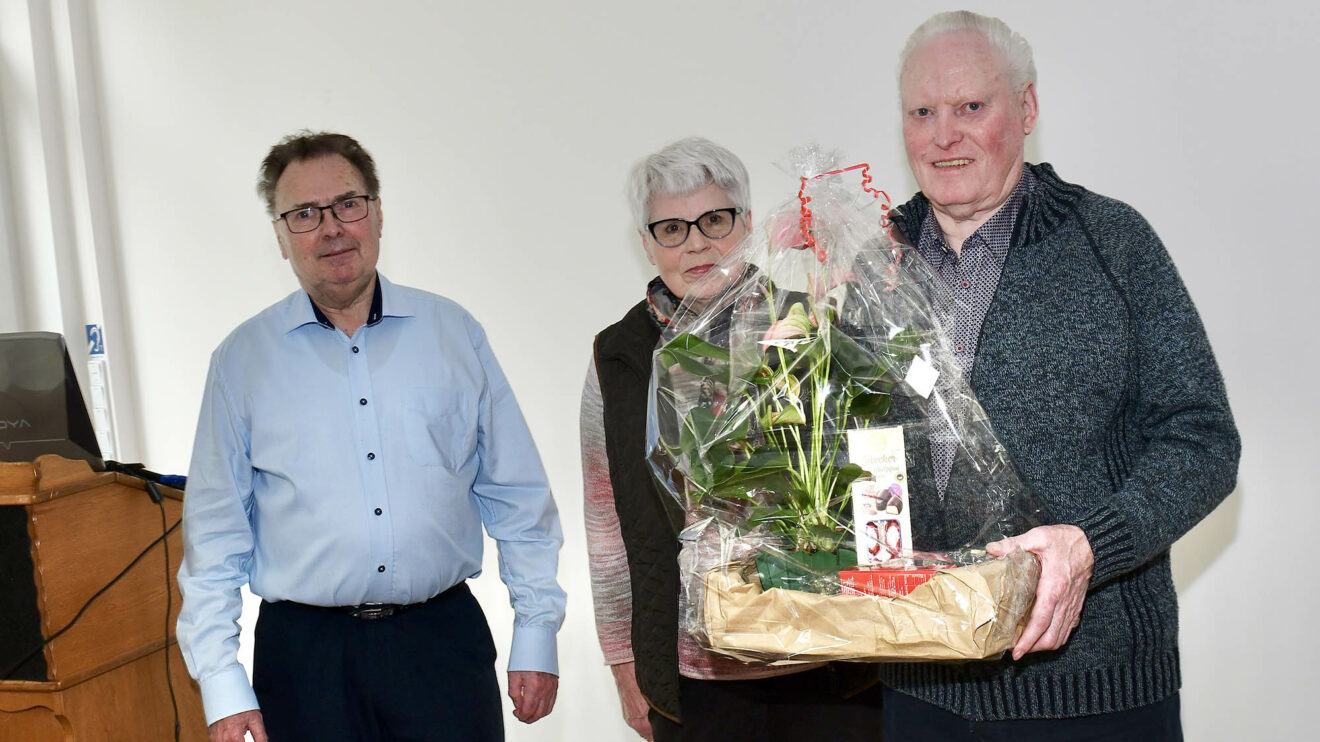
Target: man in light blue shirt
353	440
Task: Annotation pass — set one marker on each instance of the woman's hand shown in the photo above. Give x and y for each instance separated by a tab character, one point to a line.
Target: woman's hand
635	708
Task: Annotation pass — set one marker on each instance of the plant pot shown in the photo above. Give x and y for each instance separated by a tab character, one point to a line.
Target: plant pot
808	571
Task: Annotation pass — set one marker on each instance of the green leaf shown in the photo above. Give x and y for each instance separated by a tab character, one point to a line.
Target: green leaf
762	464
825	537
907	343
695	346
769	460
693	366
732	492
780	520
700	477
696	429
703	431
847	474
854	361
772	513
843	479
761	376
814	352
870	406
726	466
799	498
790	415
769	478
688	351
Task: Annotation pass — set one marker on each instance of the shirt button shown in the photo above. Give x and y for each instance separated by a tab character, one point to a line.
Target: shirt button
355	349
379	511
960	348
371	456
966	284
381	568
362	401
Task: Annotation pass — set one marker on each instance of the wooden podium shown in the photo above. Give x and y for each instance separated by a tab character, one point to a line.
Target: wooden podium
105	677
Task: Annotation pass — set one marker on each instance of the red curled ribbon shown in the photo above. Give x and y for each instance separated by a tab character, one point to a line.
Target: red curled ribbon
805	221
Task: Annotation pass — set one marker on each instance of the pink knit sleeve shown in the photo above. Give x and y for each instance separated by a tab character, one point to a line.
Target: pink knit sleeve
611	587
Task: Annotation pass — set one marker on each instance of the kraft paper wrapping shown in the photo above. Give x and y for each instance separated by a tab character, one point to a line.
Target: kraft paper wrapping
966	613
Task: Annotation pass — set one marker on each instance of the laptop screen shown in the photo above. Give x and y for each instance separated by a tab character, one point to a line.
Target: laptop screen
41	407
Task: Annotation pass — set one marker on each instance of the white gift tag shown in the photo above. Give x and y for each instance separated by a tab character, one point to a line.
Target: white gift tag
921	376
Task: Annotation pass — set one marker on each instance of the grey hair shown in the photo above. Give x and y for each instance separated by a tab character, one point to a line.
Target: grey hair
1011	45
309	145
683	167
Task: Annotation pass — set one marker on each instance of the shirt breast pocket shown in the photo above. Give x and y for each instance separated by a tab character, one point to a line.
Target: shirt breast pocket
440	426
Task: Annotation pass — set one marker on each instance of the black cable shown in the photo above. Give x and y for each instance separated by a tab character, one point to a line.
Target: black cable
154	492
14	668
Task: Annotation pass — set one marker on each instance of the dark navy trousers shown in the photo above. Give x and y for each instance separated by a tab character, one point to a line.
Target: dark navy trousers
424	675
910	720
802	707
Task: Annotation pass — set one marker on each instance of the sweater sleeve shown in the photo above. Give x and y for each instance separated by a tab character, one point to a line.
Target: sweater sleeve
1188	448
611	585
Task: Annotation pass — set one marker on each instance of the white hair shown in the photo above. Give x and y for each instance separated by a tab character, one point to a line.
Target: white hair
1014	49
683	167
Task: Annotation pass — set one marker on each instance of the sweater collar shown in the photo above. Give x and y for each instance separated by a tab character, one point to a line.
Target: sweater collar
1044	208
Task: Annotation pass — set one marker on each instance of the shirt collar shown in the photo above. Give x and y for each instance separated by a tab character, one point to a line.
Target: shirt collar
935	248
300	310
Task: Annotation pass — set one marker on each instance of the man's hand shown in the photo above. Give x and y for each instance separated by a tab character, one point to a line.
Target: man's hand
635	708
235	728
533	694
1066	564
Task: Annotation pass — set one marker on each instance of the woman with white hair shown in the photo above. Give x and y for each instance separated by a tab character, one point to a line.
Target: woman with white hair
691	206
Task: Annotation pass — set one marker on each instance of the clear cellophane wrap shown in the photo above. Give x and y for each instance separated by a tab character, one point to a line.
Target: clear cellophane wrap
809	415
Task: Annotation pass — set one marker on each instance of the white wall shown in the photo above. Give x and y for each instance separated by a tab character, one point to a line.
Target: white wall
503	132
25	225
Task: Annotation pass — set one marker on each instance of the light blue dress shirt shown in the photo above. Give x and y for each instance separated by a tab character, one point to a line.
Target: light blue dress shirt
336	471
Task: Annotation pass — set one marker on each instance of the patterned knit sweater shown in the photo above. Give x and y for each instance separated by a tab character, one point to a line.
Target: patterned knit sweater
1098	378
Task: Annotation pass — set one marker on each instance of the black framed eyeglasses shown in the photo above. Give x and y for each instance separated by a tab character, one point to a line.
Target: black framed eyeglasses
715	224
307	218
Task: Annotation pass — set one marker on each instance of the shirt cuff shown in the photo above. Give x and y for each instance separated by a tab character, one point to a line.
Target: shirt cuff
226	693
533	649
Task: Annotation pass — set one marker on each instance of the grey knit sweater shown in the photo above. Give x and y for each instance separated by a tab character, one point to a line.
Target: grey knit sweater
1097	376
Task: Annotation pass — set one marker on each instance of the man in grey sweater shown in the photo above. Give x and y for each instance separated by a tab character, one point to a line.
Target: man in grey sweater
1085	350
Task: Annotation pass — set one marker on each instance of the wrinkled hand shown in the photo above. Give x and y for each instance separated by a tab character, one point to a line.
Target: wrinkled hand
235	728
533	694
1066	564
636	711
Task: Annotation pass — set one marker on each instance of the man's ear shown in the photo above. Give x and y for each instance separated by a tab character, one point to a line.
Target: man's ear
1029	108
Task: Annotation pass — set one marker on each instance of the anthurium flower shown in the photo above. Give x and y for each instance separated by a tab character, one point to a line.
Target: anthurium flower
795	324
785	232
787	392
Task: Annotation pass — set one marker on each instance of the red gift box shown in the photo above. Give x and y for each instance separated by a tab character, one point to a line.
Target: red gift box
886	582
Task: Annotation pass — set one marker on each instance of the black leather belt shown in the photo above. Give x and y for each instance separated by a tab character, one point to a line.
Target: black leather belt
374	611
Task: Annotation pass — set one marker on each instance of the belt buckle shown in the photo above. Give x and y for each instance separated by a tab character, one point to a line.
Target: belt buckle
373	611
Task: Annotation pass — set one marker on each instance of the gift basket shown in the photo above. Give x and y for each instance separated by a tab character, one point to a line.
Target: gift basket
839	478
